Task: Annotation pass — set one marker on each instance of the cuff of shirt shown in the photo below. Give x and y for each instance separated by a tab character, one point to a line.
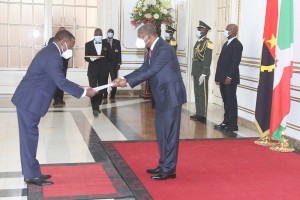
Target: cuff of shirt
84	93
228	77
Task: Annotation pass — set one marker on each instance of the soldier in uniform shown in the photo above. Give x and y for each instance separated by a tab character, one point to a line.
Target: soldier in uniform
170	37
201	70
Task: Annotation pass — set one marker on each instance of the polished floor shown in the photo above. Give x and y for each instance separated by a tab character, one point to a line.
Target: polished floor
66	133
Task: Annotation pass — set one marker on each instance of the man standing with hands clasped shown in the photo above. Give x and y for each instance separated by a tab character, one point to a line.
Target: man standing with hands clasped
228	77
33	97
201	71
161	67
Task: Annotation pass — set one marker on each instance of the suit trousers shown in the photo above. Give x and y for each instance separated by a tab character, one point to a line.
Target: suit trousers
228	93
201	96
167	126
113	72
29	136
96	81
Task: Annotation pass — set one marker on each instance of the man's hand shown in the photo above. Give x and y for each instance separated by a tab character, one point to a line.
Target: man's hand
119	82
227	81
118	67
93	59
201	79
90	92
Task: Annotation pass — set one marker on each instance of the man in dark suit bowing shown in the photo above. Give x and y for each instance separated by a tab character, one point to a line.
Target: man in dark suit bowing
116	60
98	55
33	97
162	69
228	77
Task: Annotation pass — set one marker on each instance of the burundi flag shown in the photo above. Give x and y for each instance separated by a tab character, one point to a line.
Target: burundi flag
266	76
284	70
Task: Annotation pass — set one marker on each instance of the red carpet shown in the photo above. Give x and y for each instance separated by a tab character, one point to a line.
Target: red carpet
81	181
215	170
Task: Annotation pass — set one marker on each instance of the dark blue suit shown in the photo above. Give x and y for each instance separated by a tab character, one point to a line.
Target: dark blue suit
169	93
228	66
32	99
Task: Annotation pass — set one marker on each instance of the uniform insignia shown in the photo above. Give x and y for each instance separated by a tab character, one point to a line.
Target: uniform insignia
173	43
210	45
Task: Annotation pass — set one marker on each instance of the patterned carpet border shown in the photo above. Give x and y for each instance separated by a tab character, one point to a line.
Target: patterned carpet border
123	192
133	182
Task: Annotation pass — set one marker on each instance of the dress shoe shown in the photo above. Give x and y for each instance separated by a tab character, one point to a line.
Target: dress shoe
38	181
154	171
98	111
95	113
112	97
163	176
231	128
221	126
194	117
201	119
46	176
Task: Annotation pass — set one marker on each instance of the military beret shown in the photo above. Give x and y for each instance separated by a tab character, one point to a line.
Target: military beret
203	25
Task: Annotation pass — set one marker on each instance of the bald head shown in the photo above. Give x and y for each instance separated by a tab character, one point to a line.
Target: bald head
232	29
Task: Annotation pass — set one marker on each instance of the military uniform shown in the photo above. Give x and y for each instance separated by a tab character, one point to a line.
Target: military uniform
202	57
172	41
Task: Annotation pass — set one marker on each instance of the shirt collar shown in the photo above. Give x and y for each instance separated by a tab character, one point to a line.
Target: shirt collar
153	44
58	48
230	40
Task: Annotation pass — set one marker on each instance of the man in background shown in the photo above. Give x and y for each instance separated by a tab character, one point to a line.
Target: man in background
116	61
59	94
228	77
162	69
170	37
201	70
98	55
33	97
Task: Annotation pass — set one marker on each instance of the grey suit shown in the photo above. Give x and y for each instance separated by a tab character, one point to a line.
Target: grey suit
169	94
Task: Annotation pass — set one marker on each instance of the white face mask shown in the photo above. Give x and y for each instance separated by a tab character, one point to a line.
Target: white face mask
198	34
140	43
68	53
226	33
167	35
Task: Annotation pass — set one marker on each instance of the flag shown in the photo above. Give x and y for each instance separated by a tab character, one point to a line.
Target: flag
281	101
266	76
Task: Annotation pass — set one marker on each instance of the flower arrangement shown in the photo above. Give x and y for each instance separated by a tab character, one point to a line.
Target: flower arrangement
153	12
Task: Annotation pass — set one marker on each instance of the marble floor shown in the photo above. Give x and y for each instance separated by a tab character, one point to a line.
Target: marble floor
65	133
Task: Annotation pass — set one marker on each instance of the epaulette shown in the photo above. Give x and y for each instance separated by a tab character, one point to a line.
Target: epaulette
210	45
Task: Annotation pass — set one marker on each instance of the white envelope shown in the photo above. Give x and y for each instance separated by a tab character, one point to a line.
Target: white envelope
103	87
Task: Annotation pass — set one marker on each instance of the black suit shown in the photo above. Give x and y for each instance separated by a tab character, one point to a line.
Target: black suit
228	66
98	70
59	94
115	62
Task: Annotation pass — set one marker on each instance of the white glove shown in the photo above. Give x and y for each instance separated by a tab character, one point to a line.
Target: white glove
93	59
201	79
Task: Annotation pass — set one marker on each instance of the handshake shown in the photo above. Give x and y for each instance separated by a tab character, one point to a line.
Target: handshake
120	82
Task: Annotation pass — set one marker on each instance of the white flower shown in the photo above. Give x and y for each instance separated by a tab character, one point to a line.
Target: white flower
152	2
164	11
144	9
148	15
156	16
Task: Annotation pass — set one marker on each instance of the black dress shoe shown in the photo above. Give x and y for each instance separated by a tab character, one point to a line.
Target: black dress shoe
163	176
98	111
154	171
95	113
231	128
38	182
221	126
194	117
46	176
201	119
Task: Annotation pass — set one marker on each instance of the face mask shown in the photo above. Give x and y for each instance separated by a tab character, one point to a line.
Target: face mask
140	43
110	35
68	53
167	36
198	34
98	38
226	33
